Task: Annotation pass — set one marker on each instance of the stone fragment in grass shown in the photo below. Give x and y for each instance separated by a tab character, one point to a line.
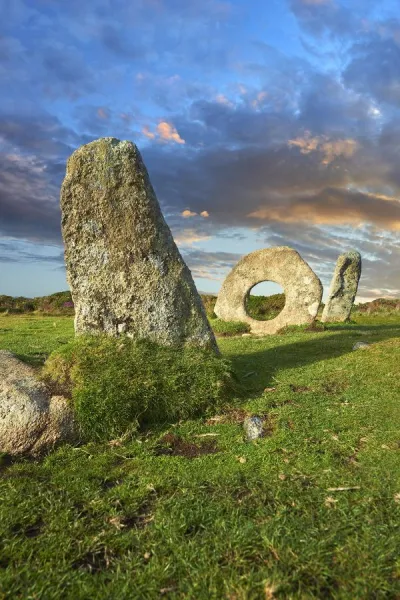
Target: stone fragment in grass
253	427
31	421
360	346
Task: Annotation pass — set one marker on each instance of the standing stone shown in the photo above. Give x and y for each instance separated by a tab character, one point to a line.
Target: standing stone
343	288
123	267
283	265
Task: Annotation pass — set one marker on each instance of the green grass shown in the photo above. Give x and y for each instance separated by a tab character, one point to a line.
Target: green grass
117	384
228	328
148	519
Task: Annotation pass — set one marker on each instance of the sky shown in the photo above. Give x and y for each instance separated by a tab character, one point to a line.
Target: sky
261	123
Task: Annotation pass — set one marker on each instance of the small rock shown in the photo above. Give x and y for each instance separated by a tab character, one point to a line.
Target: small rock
246	334
360	345
253	427
122	328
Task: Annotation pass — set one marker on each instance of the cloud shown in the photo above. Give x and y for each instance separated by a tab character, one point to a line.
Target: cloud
165	132
103	113
188	213
374	69
329	148
213	266
319	17
188	237
315	2
335	207
298	148
29	202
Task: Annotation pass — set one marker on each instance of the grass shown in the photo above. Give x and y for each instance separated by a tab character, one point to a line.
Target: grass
117	384
228	328
191	510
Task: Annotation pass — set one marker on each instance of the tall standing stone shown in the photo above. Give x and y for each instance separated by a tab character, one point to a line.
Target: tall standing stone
343	288
123	267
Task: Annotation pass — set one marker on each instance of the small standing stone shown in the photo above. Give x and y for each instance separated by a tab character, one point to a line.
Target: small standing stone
343	288
253	427
124	269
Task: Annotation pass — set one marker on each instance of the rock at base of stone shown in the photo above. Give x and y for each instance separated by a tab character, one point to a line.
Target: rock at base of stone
123	267
343	288
30	420
282	265
253	427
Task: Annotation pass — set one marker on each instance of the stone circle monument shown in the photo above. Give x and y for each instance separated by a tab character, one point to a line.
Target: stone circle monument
343	288
283	265
123	267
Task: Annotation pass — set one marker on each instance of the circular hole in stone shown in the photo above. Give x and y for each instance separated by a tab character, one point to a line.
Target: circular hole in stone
265	301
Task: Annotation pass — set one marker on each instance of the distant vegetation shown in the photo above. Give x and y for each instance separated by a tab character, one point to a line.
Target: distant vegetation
55	304
262	308
378	306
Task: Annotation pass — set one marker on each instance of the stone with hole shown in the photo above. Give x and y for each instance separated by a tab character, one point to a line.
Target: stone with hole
31	421
343	288
124	269
282	265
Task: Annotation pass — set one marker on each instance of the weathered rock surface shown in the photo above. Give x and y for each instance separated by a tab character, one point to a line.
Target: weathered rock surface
124	269
360	346
343	288
30	420
303	289
253	427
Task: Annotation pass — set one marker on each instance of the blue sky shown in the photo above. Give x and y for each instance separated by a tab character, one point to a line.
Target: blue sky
261	124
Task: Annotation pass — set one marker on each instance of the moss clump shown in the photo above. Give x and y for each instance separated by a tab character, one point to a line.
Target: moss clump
228	328
117	384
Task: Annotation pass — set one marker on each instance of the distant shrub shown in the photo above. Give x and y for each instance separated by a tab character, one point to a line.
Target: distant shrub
378	306
16	305
59	303
228	328
116	383
209	303
264	308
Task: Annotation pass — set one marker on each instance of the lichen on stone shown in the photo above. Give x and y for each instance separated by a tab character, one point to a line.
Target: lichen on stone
123	266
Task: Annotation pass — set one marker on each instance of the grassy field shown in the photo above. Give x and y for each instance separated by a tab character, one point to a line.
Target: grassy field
192	510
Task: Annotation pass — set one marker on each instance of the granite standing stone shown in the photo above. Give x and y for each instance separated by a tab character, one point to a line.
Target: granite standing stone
124	269
303	289
343	288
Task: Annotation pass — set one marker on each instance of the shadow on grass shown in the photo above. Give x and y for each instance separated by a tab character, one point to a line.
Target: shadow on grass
256	370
